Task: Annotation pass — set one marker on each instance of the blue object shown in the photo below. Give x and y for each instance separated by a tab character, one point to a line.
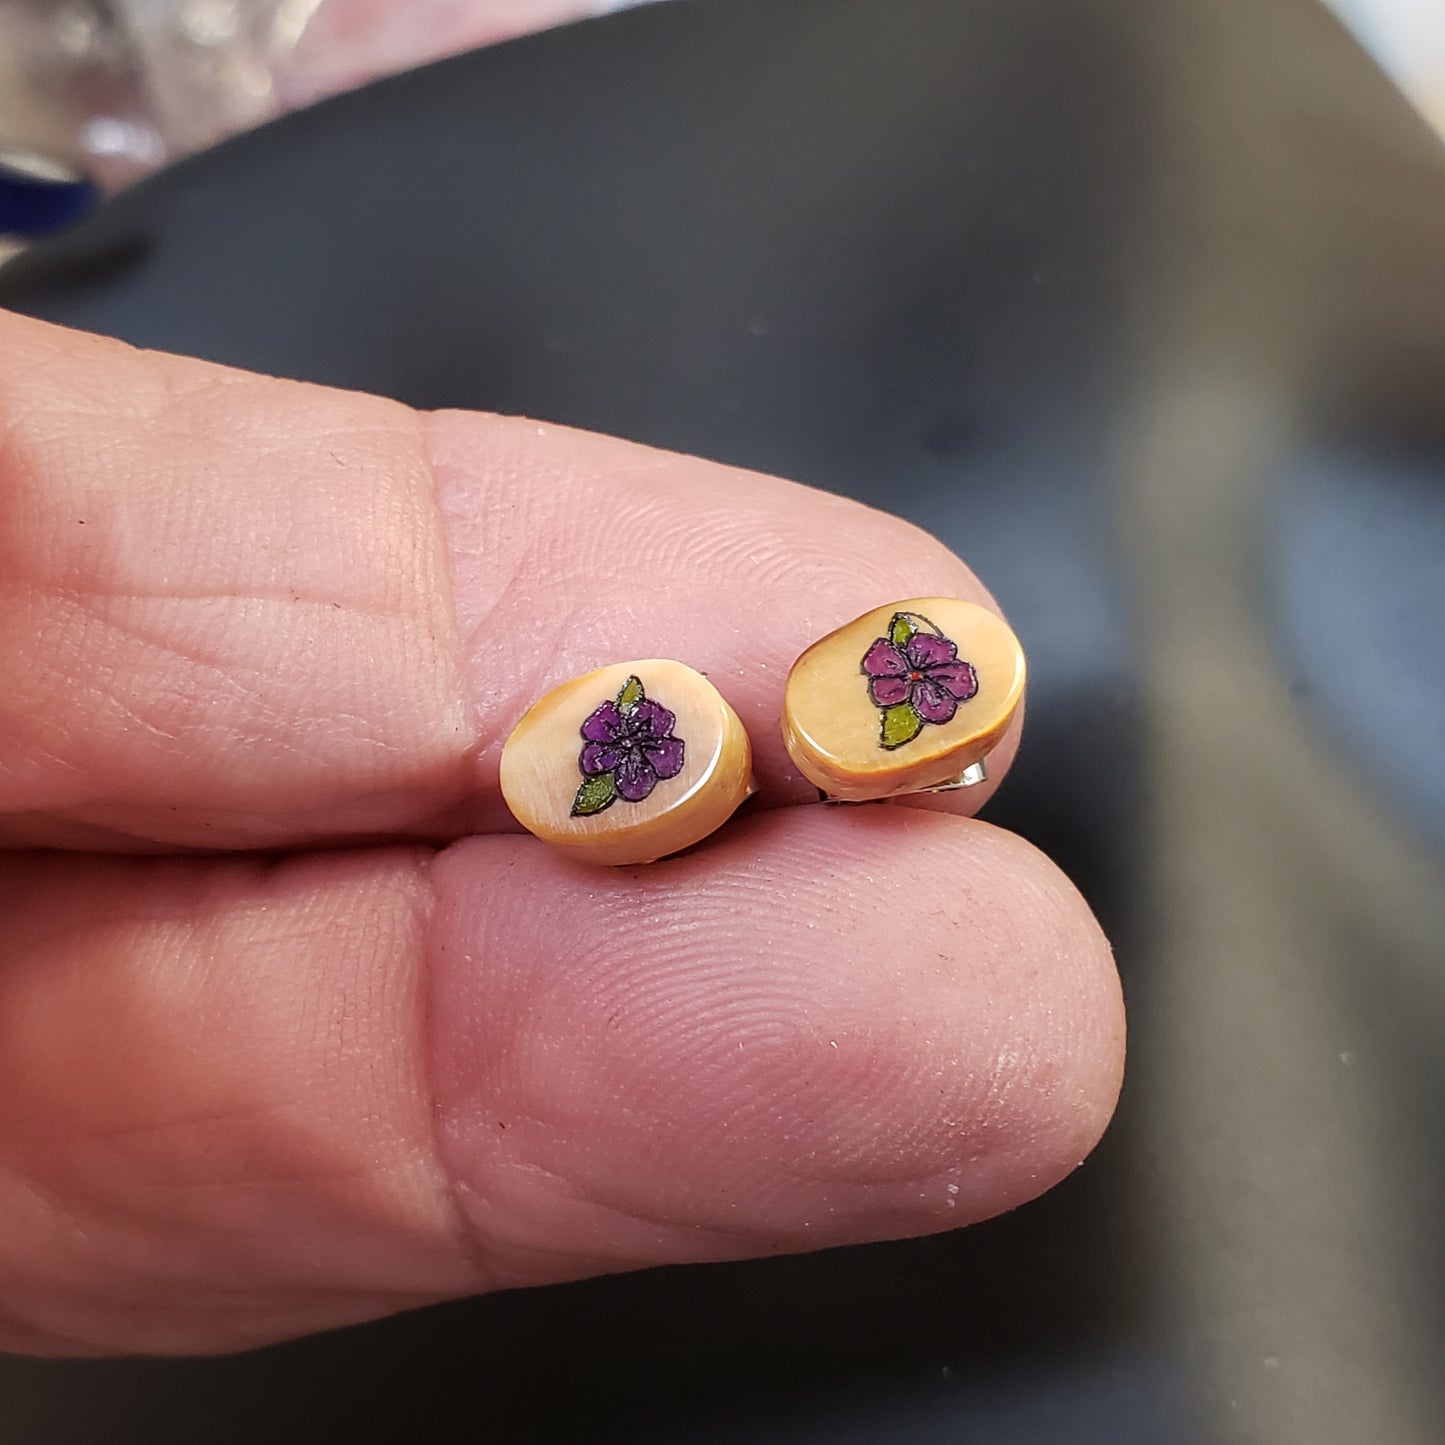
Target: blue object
39	196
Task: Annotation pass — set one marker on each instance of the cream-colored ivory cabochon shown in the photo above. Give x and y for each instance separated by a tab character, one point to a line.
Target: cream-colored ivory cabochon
832	727
540	773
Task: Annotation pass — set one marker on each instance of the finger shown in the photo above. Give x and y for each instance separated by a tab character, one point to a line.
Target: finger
239	612
249	1100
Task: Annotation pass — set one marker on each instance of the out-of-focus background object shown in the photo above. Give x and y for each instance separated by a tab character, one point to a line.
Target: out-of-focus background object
1407	37
107	90
96	93
112	89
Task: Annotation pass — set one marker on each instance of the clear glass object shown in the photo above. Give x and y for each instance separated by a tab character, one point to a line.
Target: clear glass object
114	88
111	89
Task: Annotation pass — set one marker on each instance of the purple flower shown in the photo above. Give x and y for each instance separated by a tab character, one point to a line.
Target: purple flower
923	671
636	746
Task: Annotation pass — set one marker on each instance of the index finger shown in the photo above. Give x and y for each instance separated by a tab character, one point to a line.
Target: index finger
237	612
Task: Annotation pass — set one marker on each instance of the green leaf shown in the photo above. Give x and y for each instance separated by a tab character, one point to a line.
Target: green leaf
631	694
901	725
594	795
900	630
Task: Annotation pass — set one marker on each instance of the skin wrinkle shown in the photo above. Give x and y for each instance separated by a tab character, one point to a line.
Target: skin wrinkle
483	738
434	431
495	711
713	1231
219	675
706	1239
467	1243
91	834
539	678
53	1208
286	597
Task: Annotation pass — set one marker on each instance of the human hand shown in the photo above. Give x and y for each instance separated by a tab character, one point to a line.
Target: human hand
357	1044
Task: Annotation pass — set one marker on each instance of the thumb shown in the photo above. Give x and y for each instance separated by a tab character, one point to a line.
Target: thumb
248	1100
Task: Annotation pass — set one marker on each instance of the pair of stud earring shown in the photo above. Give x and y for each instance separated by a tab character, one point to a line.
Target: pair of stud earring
641	759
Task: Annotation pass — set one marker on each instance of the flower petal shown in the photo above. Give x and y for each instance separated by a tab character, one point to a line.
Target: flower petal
665	755
599	758
635	777
603	725
959	678
924	650
884	660
886	691
651	720
934	704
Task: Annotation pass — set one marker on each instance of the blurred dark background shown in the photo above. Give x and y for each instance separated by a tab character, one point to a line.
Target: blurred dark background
1139	304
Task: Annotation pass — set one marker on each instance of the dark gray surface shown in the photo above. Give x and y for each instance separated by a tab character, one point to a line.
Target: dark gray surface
1140	304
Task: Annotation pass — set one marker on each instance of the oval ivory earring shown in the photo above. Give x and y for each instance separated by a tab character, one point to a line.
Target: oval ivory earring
627	764
908	698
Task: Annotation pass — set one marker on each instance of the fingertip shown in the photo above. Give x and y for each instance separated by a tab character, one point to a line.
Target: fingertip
830	1026
732	572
